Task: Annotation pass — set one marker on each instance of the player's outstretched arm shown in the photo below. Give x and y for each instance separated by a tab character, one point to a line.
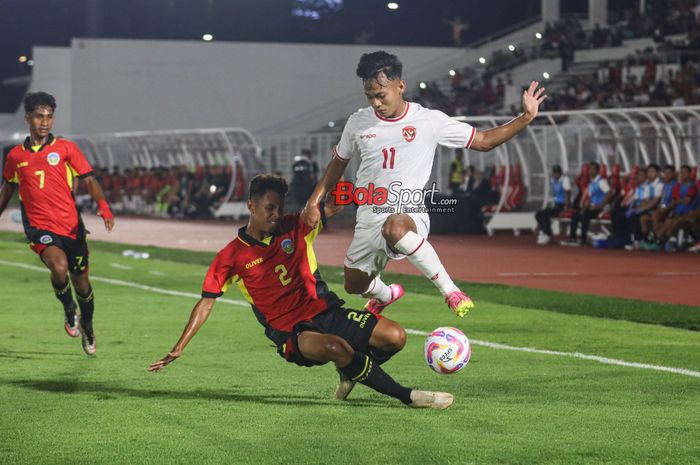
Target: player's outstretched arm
7	190
199	315
311	214
532	99
95	191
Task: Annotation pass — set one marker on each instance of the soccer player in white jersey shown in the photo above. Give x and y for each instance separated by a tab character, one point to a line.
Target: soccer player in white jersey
396	142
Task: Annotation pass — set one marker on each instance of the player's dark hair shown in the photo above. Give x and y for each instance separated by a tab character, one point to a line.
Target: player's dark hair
267	182
556	169
653	165
373	63
669	167
686	167
34	100
595	164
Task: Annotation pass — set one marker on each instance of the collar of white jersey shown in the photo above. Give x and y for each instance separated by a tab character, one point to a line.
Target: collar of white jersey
398	118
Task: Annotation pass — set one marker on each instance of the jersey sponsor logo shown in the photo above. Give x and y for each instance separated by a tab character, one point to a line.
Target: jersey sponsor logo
46	239
53	158
367	136
409	133
255	262
288	246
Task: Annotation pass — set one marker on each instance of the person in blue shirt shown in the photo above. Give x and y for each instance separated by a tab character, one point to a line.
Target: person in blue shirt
654	189
560	199
665	208
685	208
598	194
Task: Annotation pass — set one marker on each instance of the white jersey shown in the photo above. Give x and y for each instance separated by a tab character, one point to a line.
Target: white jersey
399	150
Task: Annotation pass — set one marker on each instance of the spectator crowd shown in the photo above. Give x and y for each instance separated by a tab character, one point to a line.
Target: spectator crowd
650	209
176	192
480	90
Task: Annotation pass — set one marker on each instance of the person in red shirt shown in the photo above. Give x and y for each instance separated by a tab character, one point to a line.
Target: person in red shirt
273	263
43	169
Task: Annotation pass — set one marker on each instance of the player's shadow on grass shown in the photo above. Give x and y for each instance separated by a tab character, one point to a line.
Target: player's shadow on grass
105	391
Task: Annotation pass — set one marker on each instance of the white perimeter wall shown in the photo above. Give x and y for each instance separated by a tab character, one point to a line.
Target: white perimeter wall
105	85
124	85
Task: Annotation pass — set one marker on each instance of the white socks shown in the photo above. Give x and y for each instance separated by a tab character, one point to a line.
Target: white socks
378	290
424	257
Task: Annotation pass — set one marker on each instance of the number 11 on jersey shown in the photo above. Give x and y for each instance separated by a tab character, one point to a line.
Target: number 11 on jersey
386	153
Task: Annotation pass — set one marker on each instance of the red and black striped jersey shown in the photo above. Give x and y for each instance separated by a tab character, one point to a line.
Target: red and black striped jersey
45	179
278	276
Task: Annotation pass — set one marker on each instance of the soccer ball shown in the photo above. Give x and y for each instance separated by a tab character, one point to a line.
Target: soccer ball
447	350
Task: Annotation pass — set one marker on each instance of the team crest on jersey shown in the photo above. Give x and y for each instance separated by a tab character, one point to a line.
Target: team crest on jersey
53	158
288	246
46	239
409	133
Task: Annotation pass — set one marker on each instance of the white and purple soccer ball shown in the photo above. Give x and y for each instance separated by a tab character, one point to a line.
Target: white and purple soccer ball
447	350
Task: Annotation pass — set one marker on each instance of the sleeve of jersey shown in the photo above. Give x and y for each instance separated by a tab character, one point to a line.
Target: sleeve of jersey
452	133
308	232
347	147
218	276
9	173
77	161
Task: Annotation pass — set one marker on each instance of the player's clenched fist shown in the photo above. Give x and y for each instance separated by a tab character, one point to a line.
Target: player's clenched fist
311	214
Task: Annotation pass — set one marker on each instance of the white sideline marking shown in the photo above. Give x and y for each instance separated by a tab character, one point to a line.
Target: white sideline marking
516	274
678	273
492	345
120	267
157	273
595	358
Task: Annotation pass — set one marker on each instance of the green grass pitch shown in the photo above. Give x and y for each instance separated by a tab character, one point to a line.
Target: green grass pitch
231	399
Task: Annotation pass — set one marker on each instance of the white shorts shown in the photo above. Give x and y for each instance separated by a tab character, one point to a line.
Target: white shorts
369	251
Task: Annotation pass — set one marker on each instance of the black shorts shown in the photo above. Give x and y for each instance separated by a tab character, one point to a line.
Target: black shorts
355	326
76	250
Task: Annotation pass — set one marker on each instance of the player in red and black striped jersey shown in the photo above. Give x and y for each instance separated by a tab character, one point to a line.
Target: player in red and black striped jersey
273	263
43	169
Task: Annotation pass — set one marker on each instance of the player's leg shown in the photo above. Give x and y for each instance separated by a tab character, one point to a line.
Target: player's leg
56	261
357	281
365	259
380	294
86	301
387	339
401	234
353	364
78	264
360	368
